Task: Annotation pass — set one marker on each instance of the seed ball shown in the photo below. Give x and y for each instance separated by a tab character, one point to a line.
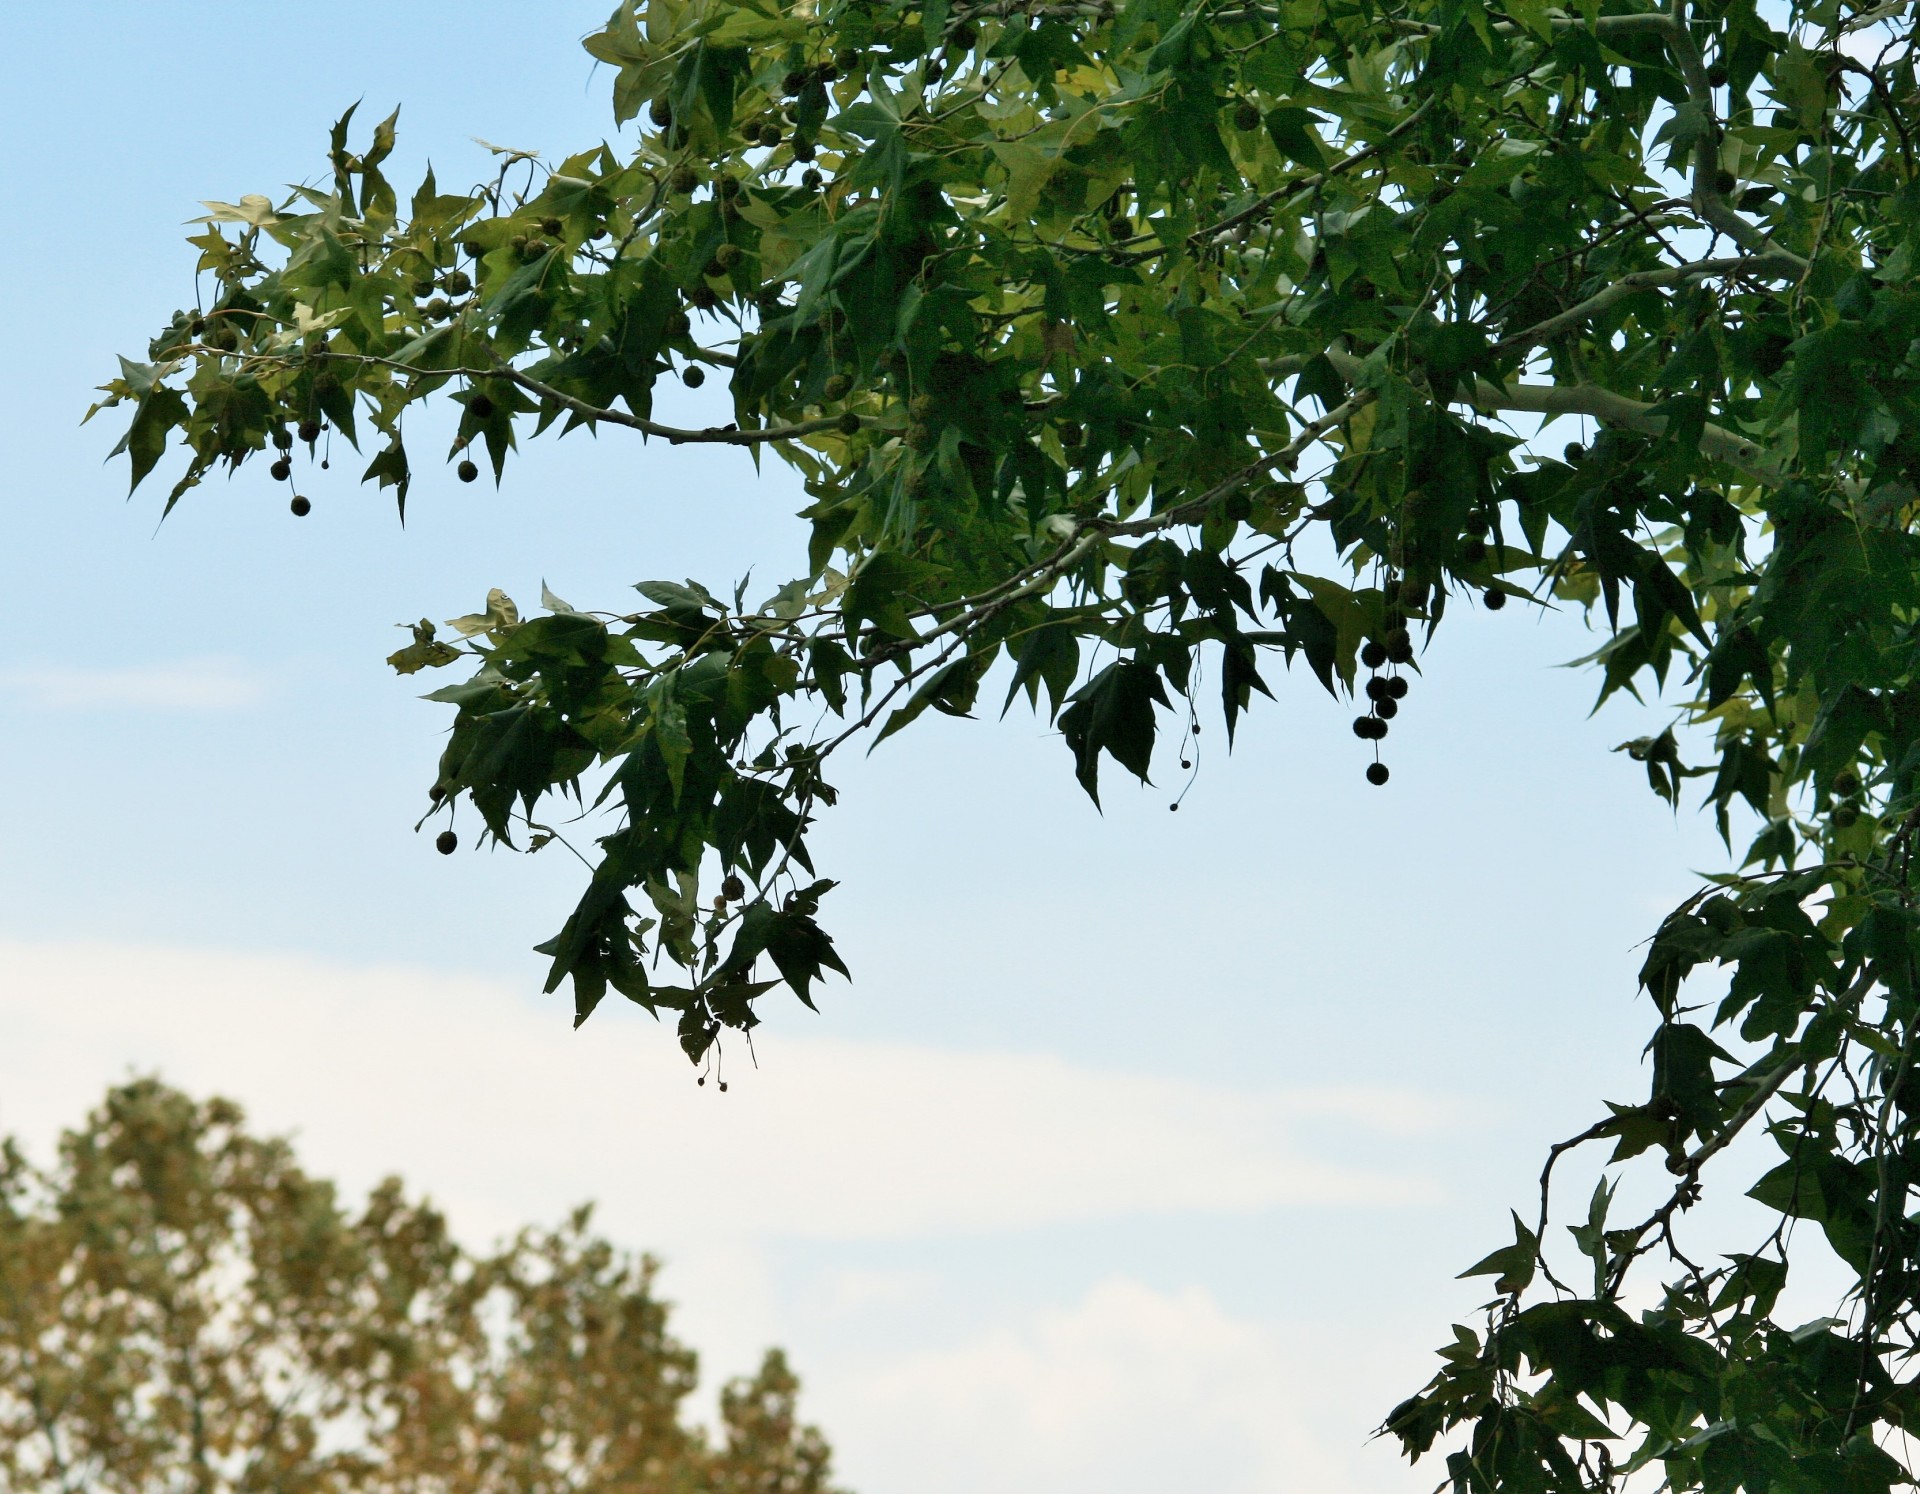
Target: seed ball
1387	708
846	59
723	1086
919	435
703	298
733	889
536	247
1173	808
1373	653
481	406
552	227
770	135
459	283
701	1081
309	431
422	289
282	437
678	325
933	73
1378	689
435	309
518	243
803	149
661	113
1846	782
683	180
300	506
1185	763
1363	727
1377	774
728	255
1474	551
1575	453
713	270
810	180
848	424
281	470
198	326
466	471
920	407
1717	76
1397	687
1495	600
693	376
1400	646
1845	816
1247	116
836	387
792	84
1478	524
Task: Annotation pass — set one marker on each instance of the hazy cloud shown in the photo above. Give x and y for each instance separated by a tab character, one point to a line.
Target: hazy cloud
1129	1391
209	684
509	1114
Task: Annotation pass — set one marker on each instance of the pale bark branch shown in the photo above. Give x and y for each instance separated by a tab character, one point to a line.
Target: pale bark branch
1719	443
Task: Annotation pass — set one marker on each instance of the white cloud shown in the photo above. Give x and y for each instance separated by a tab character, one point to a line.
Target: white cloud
1130	1391
506	1114
210	684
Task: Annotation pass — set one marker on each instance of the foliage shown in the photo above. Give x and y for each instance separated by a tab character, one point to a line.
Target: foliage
1114	338
182	1307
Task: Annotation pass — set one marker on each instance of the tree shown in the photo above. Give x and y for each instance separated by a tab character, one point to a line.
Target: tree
1113	338
182	1307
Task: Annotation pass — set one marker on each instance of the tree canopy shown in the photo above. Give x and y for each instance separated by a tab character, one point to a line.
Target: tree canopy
1123	346
182	1307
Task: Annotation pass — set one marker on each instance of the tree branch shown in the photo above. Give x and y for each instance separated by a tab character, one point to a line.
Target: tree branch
1719	443
1770	261
710	435
1708	200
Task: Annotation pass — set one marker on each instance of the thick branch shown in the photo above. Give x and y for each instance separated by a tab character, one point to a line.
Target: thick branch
1771	262
1719	443
1708	200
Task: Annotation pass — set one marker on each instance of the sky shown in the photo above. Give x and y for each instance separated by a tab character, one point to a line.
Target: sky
1141	1151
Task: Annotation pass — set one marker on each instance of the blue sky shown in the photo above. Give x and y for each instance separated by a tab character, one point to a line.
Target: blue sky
1142	1147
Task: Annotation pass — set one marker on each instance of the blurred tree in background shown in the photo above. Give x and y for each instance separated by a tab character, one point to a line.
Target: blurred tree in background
183	1308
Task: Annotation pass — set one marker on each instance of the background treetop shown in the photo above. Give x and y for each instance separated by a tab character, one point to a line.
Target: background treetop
182	1306
1136	349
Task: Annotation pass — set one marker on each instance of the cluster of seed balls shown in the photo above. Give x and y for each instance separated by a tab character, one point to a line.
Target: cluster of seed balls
1384	691
282	468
